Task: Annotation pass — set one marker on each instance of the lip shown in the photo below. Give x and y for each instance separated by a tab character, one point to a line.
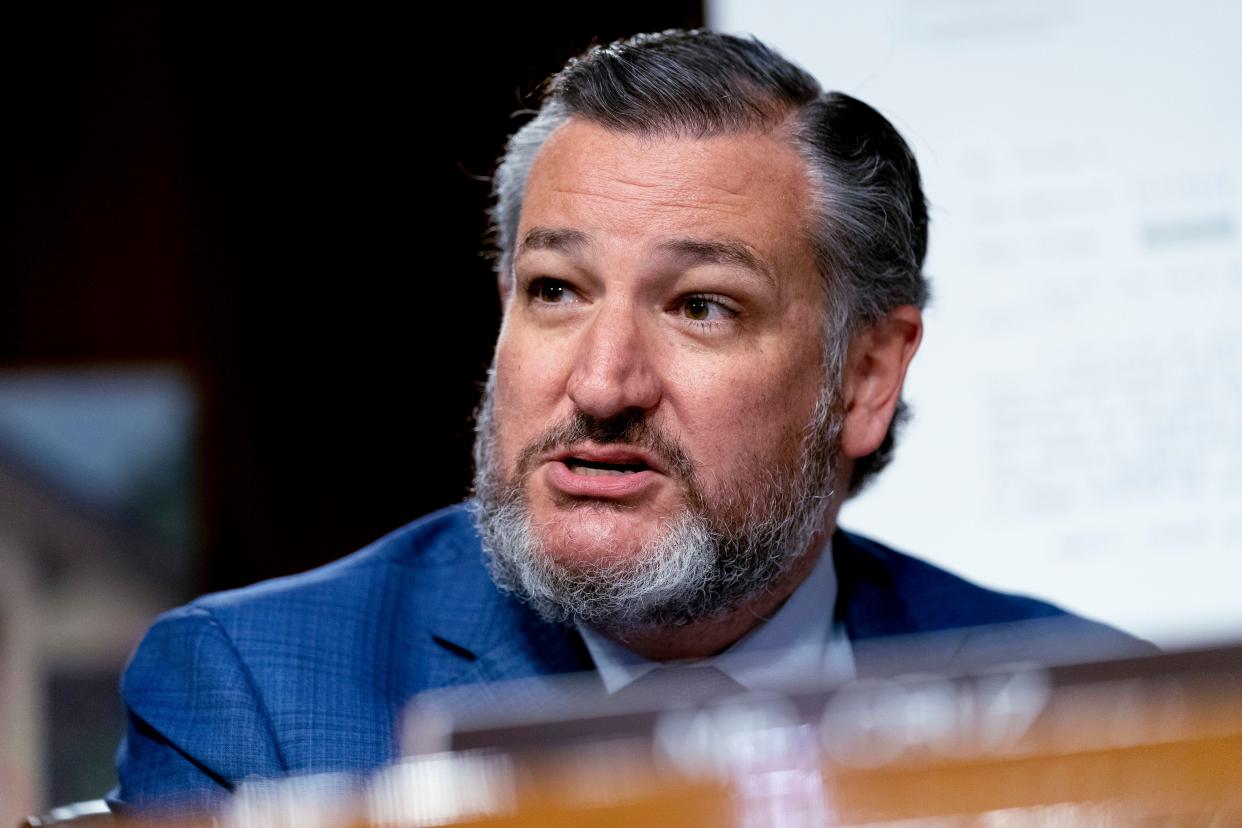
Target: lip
614	487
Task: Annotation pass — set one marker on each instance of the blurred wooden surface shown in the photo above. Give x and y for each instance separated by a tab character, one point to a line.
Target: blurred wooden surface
1154	741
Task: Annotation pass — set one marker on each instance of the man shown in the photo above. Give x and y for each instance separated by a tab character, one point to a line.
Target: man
712	281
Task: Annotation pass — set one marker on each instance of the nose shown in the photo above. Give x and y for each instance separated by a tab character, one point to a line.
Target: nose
614	369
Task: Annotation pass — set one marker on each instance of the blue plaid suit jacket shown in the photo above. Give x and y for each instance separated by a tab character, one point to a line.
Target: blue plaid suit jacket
310	673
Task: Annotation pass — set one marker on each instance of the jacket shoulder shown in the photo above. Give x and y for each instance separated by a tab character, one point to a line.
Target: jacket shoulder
442	539
394	575
938	599
890	593
340	647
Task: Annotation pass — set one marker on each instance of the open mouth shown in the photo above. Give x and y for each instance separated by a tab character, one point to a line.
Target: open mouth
595	468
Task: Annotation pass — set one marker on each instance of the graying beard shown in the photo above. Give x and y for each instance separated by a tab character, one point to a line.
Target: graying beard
697	568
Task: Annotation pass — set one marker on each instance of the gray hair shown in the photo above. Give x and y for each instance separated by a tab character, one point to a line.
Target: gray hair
869	228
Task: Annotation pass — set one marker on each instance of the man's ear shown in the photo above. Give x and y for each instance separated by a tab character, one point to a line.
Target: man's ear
875	369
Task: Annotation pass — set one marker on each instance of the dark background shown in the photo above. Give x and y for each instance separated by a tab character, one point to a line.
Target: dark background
287	203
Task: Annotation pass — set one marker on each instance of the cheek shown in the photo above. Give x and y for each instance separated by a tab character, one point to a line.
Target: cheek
745	421
525	394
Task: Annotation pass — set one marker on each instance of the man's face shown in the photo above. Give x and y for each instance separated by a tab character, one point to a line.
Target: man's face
662	347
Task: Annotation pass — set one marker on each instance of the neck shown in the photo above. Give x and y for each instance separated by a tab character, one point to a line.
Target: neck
702	639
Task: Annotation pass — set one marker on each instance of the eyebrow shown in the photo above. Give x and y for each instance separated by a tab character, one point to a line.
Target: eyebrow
691	251
726	252
555	239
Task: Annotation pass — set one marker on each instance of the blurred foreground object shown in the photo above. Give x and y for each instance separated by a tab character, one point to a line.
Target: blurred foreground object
1121	742
93	812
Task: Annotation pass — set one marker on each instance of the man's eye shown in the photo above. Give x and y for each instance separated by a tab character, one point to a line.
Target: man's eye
548	291
705	309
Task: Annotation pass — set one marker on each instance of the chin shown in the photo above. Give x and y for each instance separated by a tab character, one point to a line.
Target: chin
593	534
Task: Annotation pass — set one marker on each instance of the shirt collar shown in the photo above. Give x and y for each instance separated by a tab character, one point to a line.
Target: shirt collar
801	642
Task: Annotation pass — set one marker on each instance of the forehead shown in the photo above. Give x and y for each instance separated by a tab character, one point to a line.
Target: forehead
642	188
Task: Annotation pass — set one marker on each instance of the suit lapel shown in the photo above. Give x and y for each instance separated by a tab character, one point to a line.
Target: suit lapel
486	636
504	658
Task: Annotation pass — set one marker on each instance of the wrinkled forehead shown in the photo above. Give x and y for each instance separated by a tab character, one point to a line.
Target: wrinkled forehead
590	181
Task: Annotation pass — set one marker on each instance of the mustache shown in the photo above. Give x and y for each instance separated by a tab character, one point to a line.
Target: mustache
632	428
